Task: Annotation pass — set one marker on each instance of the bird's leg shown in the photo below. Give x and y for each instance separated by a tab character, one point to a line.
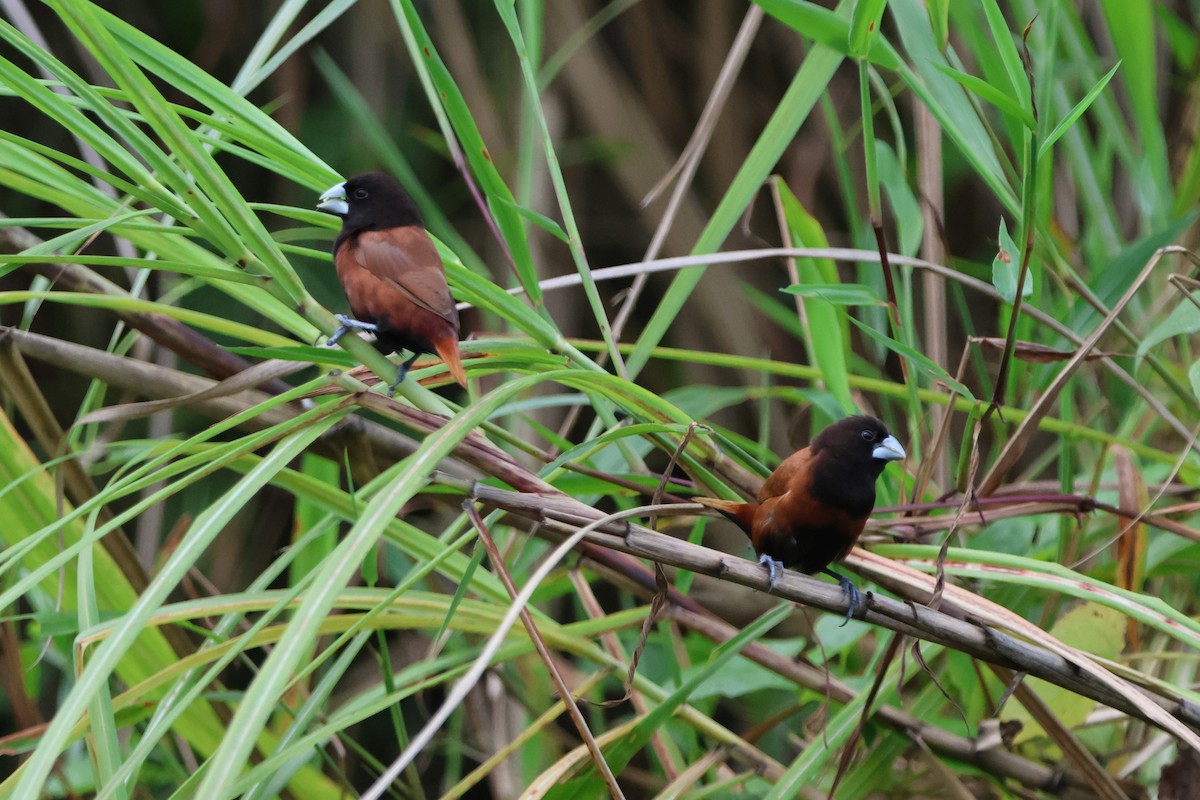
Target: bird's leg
401	372
857	605
773	568
345	324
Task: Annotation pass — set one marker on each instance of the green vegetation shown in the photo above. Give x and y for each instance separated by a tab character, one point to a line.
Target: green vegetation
230	567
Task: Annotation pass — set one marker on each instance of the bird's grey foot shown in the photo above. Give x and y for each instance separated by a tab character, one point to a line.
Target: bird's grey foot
856	604
401	373
774	567
345	324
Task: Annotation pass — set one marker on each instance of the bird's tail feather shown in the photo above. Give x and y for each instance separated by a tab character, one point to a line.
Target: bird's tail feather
741	513
447	349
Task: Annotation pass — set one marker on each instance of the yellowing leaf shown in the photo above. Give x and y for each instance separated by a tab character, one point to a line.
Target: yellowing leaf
1092	628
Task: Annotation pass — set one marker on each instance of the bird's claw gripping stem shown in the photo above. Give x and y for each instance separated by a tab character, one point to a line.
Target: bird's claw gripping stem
345	324
774	567
856	603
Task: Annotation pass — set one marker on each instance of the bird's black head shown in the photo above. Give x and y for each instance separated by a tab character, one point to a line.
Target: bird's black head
369	202
862	441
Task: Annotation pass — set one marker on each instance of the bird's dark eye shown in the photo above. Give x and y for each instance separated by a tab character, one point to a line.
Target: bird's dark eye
868	436
360	194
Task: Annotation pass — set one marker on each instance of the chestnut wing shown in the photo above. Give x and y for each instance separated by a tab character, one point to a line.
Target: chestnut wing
793	471
405	259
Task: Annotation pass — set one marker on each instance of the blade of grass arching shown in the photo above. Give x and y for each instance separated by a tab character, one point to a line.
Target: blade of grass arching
217	196
144	476
444	669
158	469
79	125
280	145
22	154
368	125
185	682
809	83
74	239
619	752
1146	609
828	348
249	333
170	243
258	66
457	124
268	605
175	267
163	169
575	242
110	652
486	295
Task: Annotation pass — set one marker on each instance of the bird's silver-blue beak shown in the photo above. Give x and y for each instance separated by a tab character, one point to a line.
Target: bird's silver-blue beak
334	200
889	449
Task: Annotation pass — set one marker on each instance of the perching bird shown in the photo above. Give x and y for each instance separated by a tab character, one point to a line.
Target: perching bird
391	273
812	508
